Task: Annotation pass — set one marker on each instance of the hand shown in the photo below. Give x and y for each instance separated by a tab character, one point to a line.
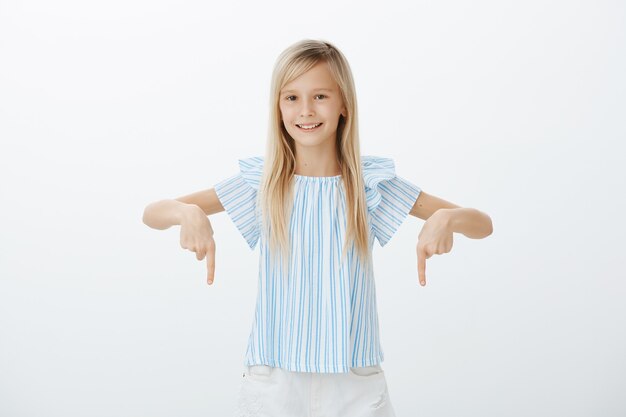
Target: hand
196	235
435	237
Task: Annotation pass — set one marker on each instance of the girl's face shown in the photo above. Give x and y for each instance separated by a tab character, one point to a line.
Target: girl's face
311	99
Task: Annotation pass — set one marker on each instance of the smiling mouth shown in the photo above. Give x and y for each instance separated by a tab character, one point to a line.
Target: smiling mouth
310	126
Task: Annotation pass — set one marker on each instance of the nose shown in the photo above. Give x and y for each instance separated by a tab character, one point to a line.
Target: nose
307	109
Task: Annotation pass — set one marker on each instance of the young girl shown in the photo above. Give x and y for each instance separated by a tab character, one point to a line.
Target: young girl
314	206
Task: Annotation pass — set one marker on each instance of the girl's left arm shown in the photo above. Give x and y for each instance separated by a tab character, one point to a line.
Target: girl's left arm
442	220
469	221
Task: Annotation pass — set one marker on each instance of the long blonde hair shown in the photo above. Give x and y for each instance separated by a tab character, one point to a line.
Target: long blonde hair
276	185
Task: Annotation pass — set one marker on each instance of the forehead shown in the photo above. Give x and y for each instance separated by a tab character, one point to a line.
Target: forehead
316	78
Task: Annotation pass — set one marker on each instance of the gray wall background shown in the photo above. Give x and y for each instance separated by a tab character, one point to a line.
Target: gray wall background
514	108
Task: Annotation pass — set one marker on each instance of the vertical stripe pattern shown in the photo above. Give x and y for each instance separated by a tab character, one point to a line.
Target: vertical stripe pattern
319	315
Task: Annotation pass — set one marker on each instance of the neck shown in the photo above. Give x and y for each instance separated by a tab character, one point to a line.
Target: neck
318	161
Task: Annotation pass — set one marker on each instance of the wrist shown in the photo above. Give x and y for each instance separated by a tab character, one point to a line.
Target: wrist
445	217
186	211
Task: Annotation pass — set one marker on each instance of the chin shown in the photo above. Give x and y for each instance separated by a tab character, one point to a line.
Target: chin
308	143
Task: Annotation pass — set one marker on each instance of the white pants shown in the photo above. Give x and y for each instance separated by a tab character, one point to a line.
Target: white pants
267	391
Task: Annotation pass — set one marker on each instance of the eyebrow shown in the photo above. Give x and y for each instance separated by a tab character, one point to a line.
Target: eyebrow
315	89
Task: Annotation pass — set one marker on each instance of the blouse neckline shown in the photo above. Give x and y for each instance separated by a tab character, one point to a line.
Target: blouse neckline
312	178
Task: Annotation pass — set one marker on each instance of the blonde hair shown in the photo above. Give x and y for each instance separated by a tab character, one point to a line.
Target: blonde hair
276	185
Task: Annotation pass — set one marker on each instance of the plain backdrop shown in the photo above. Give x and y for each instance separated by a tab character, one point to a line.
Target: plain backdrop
513	108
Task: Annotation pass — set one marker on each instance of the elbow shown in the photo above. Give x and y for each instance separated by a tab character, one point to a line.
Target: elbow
489	227
147	217
484	226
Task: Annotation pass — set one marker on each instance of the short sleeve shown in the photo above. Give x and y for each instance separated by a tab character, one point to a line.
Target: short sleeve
238	196
389	197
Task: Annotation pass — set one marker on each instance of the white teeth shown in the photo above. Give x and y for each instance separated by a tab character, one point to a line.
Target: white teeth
308	126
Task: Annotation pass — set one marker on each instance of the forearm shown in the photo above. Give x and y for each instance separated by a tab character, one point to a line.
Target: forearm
166	213
471	222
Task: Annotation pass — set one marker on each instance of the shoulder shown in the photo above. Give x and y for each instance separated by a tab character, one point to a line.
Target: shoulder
251	164
251	169
377	169
386	192
375	161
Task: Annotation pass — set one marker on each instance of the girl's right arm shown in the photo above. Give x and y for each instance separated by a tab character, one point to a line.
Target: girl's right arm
190	212
166	213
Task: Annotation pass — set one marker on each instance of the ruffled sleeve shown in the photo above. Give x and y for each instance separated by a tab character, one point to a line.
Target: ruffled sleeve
238	195
389	197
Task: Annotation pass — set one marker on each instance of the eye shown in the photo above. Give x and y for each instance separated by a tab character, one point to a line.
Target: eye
288	98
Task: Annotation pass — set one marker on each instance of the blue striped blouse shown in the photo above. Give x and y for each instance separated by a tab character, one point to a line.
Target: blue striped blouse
321	316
